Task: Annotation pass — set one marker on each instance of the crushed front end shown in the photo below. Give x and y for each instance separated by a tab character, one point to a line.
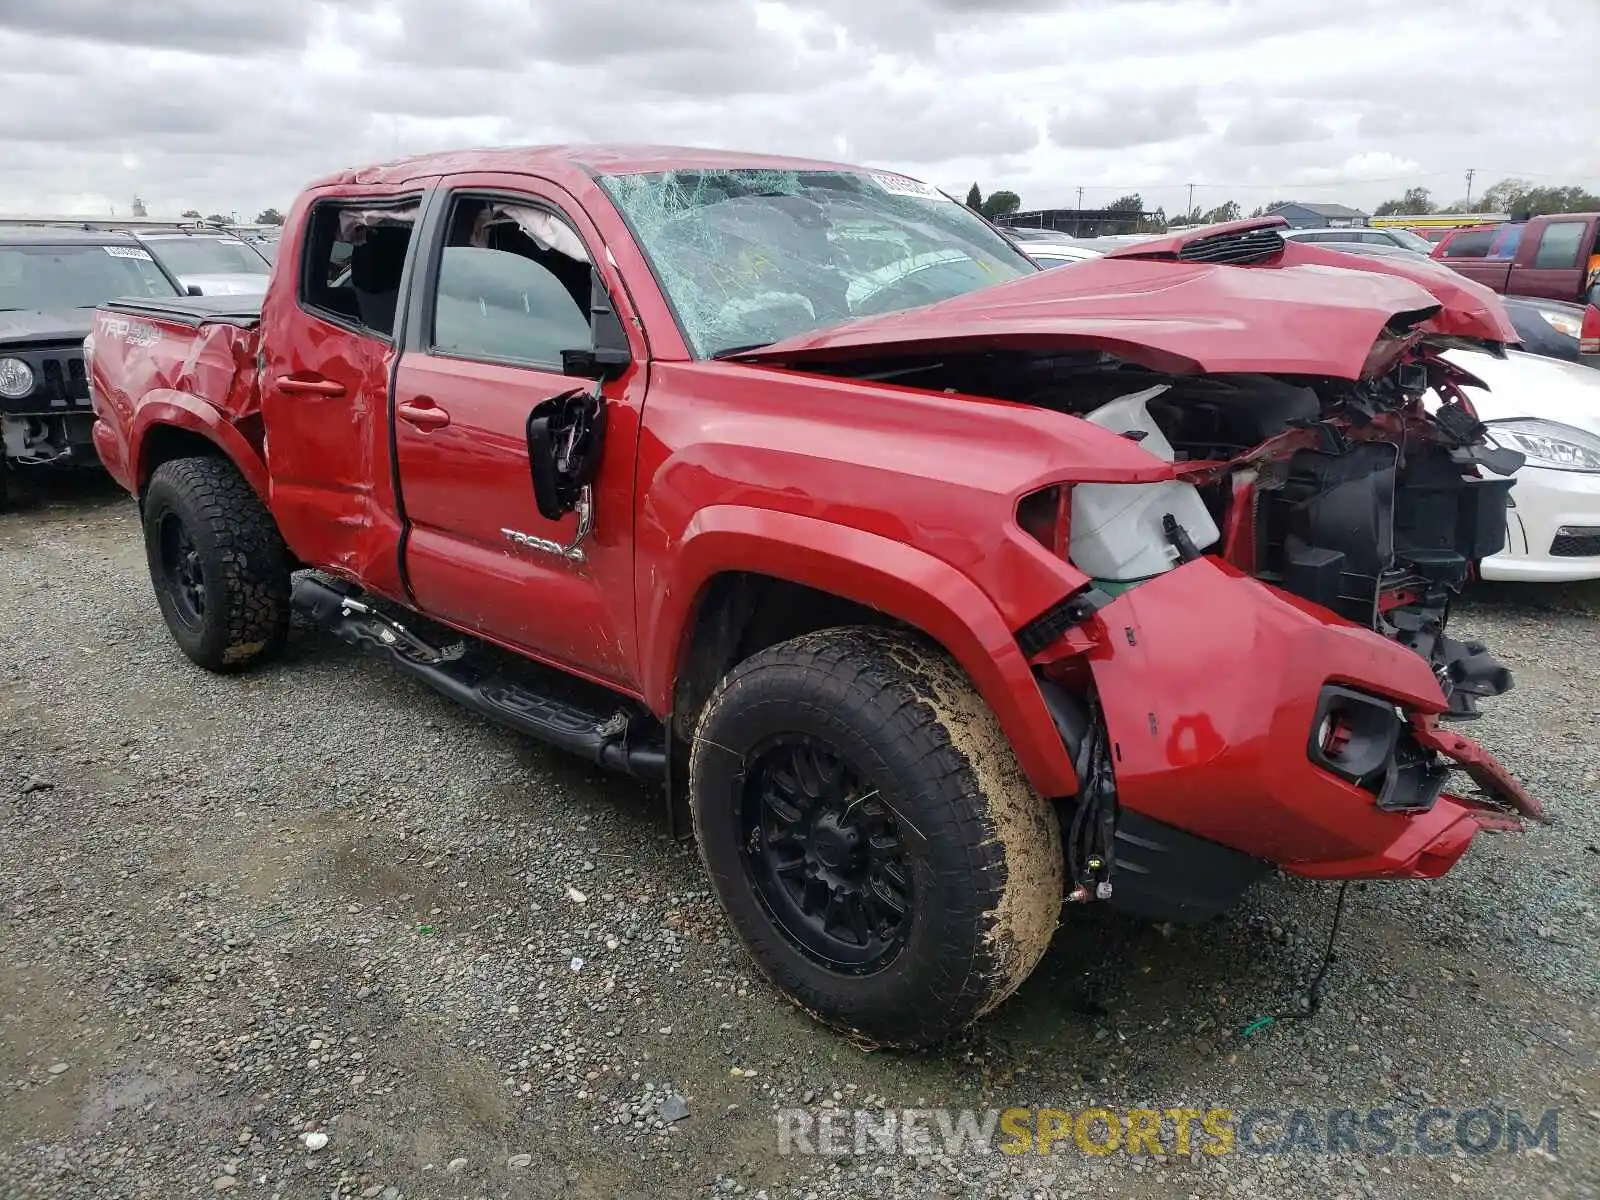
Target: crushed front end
1276	692
1251	665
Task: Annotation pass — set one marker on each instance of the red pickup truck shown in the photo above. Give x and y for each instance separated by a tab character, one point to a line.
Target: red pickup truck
938	590
1551	256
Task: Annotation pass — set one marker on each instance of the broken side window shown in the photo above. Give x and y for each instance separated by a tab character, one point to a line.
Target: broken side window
513	285
355	254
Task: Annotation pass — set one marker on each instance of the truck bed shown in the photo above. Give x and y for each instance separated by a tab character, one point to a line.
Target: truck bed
195	311
193	353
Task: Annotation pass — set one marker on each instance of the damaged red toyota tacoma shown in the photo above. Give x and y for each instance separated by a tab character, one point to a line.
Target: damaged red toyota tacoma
937	590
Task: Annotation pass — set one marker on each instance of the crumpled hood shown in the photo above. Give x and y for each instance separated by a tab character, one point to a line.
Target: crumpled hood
25	326
1303	311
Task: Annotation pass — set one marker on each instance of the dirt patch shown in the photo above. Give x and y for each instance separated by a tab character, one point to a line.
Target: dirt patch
1025	825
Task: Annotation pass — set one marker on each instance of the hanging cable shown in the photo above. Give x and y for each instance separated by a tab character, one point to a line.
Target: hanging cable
1311	998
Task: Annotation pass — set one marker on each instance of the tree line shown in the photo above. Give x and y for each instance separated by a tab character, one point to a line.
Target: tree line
267	216
1517	197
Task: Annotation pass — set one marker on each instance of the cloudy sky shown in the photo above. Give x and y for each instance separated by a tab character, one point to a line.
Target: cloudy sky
232	106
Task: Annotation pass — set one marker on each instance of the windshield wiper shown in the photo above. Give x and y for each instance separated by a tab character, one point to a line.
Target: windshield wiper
735	351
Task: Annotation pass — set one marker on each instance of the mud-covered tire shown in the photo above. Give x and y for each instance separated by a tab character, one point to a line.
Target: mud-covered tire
217	563
980	849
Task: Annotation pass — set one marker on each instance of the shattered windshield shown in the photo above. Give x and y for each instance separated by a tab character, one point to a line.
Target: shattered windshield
750	257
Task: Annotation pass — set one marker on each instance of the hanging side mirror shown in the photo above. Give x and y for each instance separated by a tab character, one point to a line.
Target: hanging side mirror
566	437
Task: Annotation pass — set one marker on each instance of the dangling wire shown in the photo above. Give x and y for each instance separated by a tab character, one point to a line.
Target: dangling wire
1311	998
1092	834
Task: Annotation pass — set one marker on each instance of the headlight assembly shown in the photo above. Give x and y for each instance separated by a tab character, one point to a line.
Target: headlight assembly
16	378
1549	444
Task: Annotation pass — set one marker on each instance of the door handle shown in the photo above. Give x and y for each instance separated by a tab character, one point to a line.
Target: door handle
423	413
310	387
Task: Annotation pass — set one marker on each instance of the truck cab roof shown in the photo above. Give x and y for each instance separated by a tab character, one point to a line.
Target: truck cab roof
574	160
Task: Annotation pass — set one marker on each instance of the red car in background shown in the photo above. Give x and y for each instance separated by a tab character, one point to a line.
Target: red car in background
1556	256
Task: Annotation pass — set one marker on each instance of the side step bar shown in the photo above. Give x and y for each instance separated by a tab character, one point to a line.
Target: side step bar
618	740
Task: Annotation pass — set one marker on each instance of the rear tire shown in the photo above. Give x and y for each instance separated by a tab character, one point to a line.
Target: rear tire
217	564
870	835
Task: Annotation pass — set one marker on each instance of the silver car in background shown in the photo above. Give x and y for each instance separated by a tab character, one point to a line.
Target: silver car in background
209	262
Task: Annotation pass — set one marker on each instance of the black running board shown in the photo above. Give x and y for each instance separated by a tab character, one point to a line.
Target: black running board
619	740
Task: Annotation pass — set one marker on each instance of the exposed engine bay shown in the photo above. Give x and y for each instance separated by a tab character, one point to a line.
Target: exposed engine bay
1349	494
1370	499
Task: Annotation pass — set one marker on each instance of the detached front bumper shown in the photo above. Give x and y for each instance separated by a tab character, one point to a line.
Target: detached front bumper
1214	691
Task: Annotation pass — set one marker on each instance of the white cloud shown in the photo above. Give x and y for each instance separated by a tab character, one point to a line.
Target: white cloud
192	104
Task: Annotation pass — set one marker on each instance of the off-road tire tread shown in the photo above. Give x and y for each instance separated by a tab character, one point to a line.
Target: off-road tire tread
232	528
999	872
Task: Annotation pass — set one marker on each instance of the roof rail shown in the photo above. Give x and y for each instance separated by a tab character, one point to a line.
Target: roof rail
129	224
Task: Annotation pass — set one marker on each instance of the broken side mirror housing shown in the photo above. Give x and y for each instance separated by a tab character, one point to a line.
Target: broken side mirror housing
566	436
607	356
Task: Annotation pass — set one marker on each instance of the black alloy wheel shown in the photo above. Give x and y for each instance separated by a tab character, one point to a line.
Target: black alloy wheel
182	573
825	855
218	565
870	835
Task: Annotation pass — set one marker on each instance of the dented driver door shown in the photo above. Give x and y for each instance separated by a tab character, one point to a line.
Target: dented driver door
504	295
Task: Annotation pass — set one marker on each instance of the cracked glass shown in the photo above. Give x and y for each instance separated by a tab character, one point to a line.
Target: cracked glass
753	256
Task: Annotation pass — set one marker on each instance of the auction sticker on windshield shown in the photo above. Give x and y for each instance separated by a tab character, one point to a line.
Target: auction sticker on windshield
128	252
901	185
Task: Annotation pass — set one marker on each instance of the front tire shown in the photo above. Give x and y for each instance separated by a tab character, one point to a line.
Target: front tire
217	564
870	835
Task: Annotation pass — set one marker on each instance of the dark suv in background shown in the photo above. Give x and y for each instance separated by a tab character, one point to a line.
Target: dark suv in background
51	280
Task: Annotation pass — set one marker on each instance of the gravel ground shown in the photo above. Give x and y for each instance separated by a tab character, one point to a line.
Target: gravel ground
315	932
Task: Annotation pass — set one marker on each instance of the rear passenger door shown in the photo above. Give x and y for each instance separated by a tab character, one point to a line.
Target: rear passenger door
510	265
1556	261
328	340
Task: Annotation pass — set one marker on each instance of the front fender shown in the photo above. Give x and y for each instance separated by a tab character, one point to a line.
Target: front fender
874	571
179	410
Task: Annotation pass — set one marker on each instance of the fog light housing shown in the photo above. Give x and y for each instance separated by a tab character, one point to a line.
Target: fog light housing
1365	740
1353	735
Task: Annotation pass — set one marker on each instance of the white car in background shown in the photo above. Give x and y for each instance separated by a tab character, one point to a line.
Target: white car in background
1548	411
1338	238
1056	254
209	262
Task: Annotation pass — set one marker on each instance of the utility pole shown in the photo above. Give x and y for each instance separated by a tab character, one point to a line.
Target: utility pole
1190	209
1470	173
1077	223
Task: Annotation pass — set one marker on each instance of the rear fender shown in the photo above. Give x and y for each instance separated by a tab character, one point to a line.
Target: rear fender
179	410
877	572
